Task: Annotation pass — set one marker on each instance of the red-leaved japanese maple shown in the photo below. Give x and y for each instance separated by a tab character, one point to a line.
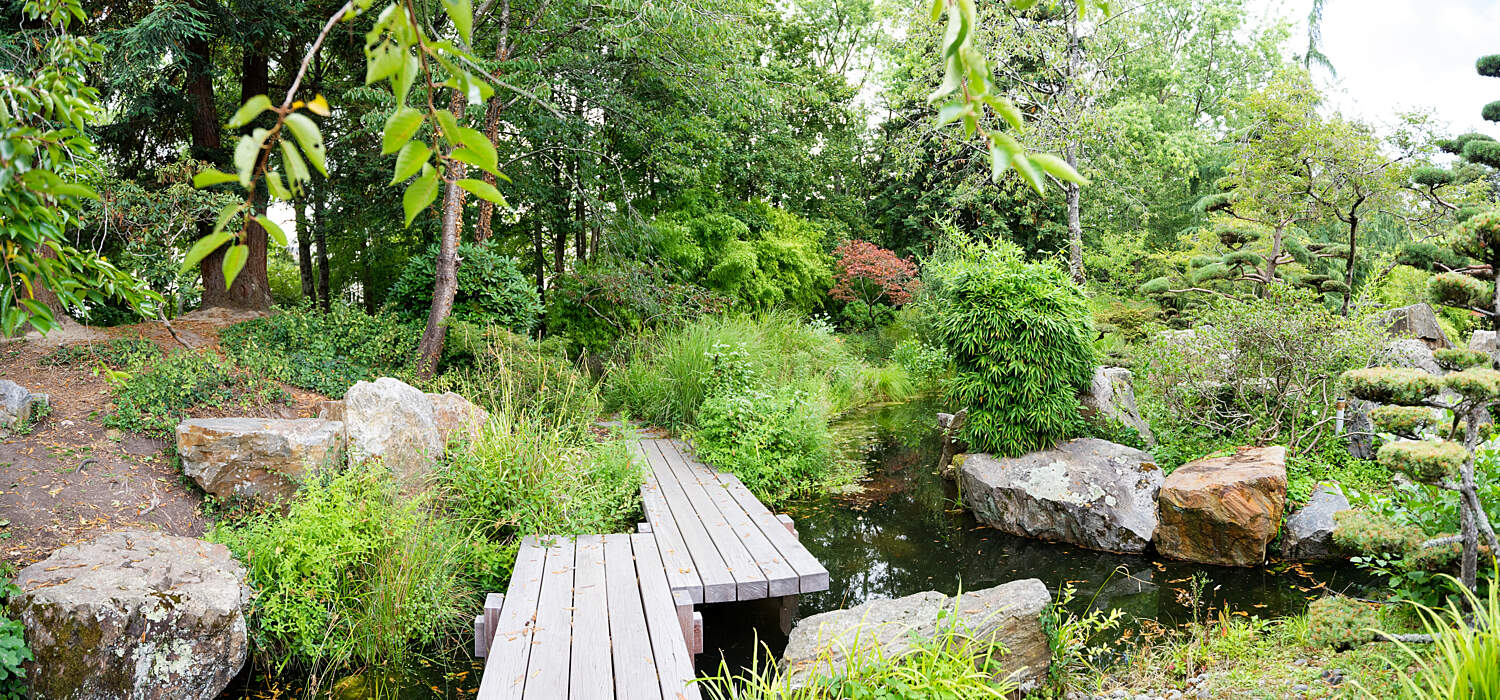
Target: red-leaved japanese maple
871	274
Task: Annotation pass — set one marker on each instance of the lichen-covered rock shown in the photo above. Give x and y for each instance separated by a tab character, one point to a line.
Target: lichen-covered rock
1410	352
1308	535
18	405
1223	510
1090	492
1009	614
1111	396
260	458
392	421
456	418
133	615
1417	321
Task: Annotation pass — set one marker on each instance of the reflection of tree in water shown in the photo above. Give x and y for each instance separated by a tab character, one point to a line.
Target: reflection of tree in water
906	534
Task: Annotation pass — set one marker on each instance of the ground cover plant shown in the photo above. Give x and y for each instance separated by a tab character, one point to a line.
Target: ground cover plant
325	351
152	396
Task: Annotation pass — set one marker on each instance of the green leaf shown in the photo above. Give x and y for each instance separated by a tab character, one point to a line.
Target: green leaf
226	214
483	190
276	186
208	178
272	230
245	153
249	111
1028	172
234	261
1006	109
73	189
412	157
401	83
399	128
448	125
1058	168
950	112
382	61
999	161
203	247
937	10
310	139
462	14
477	144
296	170
420	193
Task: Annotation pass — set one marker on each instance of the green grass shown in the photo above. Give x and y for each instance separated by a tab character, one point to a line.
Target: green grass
1464	658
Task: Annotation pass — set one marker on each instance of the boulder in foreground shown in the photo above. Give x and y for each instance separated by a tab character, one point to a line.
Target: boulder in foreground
133	614
1088	492
1009	614
1223	510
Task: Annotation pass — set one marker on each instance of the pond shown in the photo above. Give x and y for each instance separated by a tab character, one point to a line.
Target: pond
901	531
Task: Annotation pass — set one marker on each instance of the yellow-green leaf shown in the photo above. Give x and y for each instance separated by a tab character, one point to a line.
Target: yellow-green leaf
1058	168
226	214
203	247
310	139
234	261
245	153
1028	172
420	193
296	170
277	187
399	128
272	230
483	190
477	144
249	111
208	178
412	157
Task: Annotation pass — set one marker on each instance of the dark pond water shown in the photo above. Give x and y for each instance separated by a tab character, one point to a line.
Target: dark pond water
902	532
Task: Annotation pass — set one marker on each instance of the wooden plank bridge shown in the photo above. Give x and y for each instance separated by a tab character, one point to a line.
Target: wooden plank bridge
611	616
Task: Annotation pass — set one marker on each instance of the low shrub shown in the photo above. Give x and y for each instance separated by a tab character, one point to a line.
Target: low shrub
118	353
1463	660
603	301
156	395
1427	461
324	352
1337	621
926	365
776	441
13	650
1332	463
355	572
492	290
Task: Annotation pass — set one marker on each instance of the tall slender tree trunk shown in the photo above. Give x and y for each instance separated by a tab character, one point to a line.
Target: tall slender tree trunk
492	110
1075	227
251	289
445	283
1270	271
541	259
320	228
1349	263
304	252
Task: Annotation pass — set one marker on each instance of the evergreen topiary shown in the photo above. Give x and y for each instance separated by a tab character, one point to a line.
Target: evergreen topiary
1364	532
1398	385
1337	621
1021	338
1427	461
1403	420
1455	359
1475	384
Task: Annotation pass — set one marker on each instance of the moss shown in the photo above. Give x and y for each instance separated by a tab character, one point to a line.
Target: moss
1428	461
1336	621
1455	359
1397	385
1475	384
1403	420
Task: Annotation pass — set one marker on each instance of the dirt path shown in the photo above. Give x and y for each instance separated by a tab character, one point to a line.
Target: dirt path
71	478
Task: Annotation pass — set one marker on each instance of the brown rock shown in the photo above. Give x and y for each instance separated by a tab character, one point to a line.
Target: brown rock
456	417
256	457
331	409
1223	510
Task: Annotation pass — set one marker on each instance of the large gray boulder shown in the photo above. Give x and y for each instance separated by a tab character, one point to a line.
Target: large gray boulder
1089	492
1308	535
1485	341
18	405
1410	352
1417	321
1009	614
392	421
1111	396
259	458
133	615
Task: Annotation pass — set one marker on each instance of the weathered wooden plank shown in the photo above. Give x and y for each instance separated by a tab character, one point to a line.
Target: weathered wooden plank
811	574
634	658
682	573
485	624
591	676
750	583
505	665
547	672
781	579
718	583
673	662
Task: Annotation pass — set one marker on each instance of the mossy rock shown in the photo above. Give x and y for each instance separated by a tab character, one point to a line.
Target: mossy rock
1427	461
1397	385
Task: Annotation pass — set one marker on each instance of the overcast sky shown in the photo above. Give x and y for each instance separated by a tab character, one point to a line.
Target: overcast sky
1394	55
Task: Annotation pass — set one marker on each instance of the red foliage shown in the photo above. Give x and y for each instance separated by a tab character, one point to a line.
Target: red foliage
868	273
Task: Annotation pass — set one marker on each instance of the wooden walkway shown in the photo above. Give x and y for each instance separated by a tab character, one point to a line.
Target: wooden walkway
611	616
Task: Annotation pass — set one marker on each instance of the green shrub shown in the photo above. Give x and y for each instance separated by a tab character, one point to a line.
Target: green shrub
1455	359
602	301
491	288
13	650
925	364
324	352
1332	463
118	353
1463	660
1021	338
159	394
1474	383
1337	621
1427	461
1364	532
1398	385
355	572
1403	420
775	441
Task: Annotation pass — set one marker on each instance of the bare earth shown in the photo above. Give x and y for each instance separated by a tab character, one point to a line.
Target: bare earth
71	478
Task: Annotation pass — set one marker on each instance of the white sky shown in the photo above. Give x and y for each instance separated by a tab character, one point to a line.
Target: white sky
1399	55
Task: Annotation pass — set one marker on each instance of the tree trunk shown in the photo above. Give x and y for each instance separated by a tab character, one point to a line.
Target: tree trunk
1349	264
445	283
1270	273
1075	234
541	259
492	110
1495	309
320	226
304	252
41	293
1468	528
251	289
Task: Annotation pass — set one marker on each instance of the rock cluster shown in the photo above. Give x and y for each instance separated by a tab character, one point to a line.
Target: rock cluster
386	419
1223	510
133	614
1111	396
1089	492
1009	614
